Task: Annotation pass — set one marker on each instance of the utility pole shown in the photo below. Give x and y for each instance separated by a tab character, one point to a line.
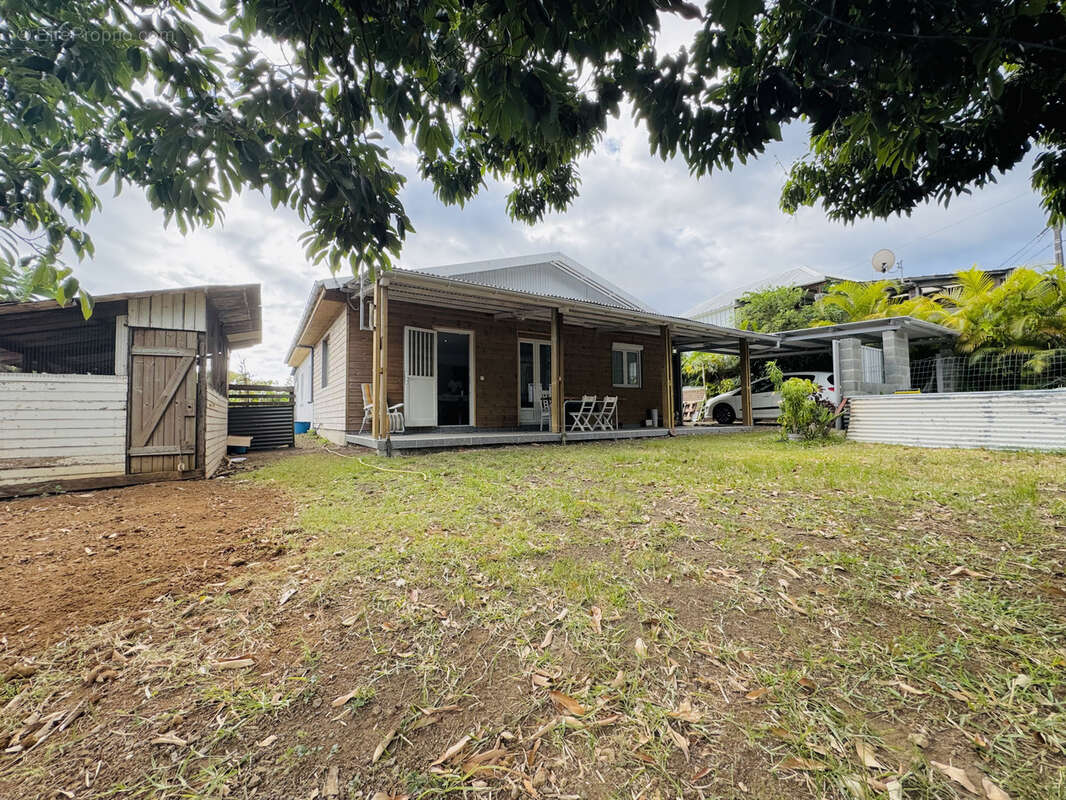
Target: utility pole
1056	232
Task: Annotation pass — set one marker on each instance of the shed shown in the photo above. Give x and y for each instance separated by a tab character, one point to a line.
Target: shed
134	394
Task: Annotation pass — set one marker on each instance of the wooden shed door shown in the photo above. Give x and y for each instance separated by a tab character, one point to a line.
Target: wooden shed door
163	400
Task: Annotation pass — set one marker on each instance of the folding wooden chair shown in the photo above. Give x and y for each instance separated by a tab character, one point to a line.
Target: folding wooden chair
604	417
581	420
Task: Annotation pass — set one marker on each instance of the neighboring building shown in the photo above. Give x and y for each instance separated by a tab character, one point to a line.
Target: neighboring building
918	285
136	393
486	346
721	309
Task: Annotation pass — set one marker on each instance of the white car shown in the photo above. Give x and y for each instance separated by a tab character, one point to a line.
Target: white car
725	409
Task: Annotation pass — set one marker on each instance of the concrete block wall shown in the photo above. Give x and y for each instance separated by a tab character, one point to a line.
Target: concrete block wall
896	348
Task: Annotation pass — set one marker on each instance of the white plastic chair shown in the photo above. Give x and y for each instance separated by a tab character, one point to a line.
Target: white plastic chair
545	411
581	420
395	412
604	417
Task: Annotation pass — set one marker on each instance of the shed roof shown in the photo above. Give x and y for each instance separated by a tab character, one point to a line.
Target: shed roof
239	308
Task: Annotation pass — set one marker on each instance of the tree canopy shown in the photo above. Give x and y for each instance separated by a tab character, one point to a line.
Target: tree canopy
780	308
192	103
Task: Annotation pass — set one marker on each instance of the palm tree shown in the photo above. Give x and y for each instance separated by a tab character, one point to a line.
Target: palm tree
858	301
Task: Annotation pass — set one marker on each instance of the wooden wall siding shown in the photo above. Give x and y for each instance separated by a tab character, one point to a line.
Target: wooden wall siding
151	380
217	422
331	401
180	311
586	365
59	427
587	370
360	370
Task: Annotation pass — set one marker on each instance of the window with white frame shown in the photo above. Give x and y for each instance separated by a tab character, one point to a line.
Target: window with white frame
324	367
626	365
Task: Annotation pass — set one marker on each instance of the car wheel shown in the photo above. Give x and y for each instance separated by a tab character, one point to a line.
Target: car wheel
724	414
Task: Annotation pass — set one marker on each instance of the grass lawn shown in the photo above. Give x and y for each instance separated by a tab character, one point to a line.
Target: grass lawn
716	617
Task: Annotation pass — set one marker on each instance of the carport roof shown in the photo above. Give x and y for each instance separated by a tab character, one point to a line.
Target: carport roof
804	340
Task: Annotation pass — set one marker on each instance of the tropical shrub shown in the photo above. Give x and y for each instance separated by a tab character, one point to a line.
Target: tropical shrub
804	412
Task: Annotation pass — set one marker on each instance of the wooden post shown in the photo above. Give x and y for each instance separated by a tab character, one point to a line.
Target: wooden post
745	382
669	420
381	398
375	354
558	412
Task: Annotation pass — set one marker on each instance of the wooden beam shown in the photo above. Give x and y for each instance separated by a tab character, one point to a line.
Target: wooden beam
745	382
558	412
668	379
375	377
203	380
381	386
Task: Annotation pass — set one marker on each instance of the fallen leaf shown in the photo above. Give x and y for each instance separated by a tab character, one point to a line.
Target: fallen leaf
906	688
803	764
286	595
686	712
958	775
993	792
867	755
547	641
641	648
170	738
965	573
565	702
379	751
808	685
895	789
344	698
235	663
1020	682
597	619
680	741
452	751
267	741
756	694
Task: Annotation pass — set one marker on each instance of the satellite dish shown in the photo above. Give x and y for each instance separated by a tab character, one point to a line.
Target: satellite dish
883	260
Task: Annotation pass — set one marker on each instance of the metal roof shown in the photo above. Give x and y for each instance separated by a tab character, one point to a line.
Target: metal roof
821	337
797	276
238	307
317	289
551	274
448	292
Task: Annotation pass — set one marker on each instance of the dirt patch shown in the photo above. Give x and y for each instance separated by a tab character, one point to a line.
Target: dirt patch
86	558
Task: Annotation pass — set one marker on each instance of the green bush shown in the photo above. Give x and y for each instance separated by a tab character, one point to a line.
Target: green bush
803	411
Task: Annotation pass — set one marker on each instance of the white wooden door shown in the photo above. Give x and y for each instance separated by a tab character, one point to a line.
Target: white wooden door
419	377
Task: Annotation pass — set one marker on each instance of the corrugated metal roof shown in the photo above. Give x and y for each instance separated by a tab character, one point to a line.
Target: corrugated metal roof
549	274
1024	420
797	276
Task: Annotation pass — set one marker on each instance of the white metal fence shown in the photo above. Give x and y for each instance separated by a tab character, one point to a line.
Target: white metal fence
1023	420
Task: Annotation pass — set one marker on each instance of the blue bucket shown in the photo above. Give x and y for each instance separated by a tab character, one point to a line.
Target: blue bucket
301	427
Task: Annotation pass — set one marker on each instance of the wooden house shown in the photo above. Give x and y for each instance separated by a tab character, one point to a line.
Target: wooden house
136	393
493	352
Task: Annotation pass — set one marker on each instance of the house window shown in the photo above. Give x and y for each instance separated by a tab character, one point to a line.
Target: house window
324	362
626	367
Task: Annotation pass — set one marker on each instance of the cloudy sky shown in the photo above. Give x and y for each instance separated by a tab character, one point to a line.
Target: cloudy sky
643	223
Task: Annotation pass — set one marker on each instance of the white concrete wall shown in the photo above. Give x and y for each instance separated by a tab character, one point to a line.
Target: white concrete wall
56	427
330	416
217	419
1028	420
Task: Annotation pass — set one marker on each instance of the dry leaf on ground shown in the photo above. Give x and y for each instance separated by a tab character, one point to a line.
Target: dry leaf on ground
597	619
867	755
379	751
958	775
993	792
565	702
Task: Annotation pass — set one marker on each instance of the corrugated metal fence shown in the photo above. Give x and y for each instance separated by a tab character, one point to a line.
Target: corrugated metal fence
263	412
1024	420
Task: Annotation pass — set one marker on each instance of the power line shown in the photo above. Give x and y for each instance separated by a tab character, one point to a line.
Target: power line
1024	247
